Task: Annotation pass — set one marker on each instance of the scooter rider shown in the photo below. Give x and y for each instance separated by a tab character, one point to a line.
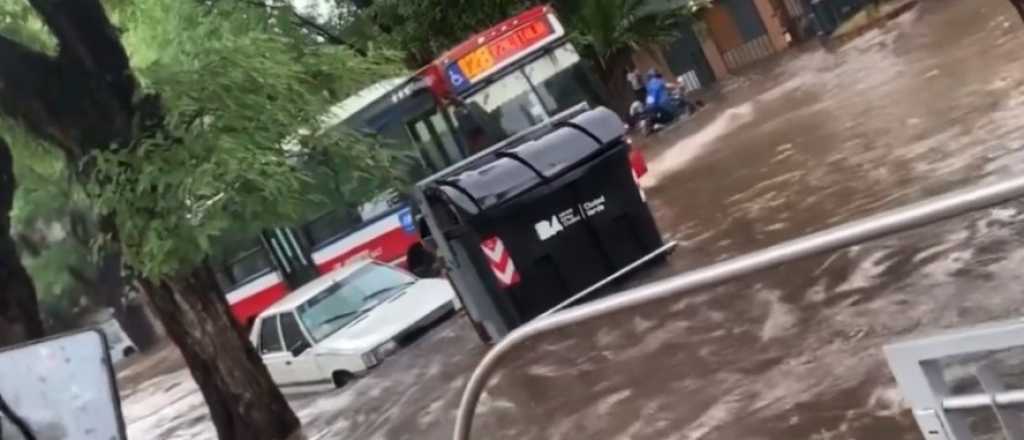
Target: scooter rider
659	101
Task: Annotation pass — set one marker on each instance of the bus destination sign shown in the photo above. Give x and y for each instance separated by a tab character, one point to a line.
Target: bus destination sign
463	72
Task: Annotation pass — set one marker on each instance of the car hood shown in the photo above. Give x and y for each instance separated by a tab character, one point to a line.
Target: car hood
391	318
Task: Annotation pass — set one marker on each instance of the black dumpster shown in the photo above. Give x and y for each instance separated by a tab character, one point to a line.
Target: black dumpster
523	227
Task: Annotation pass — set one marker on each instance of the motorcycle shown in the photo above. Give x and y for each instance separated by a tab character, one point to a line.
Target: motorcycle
650	121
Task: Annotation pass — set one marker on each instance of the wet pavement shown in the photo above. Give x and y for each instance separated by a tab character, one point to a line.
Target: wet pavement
812	138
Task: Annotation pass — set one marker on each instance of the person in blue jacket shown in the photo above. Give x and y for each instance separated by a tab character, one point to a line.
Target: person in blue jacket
659	100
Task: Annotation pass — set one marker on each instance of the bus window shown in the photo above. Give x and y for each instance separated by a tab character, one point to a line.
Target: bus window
509	104
243	267
474	126
392	136
223	279
562	81
251	264
390	130
444	133
431	155
330	225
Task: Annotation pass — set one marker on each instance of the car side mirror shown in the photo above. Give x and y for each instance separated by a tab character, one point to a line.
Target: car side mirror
299	348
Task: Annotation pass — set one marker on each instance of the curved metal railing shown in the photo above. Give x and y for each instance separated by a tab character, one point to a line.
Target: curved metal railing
879	225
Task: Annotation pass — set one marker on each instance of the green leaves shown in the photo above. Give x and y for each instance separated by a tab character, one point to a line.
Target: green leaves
43	204
19	22
599	27
240	145
426	28
44	190
605	27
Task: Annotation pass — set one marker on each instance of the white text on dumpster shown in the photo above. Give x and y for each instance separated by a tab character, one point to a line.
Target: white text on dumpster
546	229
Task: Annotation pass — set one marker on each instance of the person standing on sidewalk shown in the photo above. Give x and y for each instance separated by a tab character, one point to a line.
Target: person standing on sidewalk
636	83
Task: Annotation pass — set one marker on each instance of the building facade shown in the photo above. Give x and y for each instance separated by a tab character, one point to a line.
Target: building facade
733	34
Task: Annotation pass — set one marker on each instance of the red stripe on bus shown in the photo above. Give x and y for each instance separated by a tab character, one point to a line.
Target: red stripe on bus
248	308
387	247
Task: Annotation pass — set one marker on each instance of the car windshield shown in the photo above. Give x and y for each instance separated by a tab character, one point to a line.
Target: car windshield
343	302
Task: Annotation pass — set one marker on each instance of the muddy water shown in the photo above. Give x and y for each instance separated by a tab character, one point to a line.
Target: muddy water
810	139
929	103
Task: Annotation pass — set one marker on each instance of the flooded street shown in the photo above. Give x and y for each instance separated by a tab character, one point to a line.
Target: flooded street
813	138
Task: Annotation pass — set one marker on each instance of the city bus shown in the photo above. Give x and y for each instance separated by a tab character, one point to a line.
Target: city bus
497	84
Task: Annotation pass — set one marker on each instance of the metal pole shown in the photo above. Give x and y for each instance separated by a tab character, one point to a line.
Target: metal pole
1009	418
978	401
886	223
632	266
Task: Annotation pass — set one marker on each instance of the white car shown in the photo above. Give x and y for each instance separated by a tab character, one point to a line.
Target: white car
346	322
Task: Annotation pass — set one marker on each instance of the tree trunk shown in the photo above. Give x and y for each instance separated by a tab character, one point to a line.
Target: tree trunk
613	75
138	326
19	308
244	403
86	100
109	289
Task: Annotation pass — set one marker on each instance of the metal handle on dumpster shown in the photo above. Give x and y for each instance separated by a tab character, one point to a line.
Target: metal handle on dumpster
577	127
879	225
940	410
524	163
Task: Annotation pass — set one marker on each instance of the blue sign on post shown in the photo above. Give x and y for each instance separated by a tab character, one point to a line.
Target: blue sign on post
457	79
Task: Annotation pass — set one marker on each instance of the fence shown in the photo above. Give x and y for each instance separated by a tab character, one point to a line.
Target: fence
753	50
809	18
690	81
794	8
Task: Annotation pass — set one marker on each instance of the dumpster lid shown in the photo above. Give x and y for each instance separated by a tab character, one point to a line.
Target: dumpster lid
517	169
565	147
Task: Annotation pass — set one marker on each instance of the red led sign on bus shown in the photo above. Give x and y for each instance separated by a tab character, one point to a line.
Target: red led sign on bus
484	58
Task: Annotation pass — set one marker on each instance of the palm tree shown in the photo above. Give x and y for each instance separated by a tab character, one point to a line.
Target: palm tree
609	31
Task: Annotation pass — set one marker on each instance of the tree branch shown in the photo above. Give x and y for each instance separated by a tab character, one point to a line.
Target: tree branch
261	4
78	227
19	310
8	185
28	244
316	28
83	99
87	38
82	278
25	76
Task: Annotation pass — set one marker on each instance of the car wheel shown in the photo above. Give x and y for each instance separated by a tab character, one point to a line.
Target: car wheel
341	378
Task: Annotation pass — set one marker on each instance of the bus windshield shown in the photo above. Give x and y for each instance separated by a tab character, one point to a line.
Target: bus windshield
524	97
